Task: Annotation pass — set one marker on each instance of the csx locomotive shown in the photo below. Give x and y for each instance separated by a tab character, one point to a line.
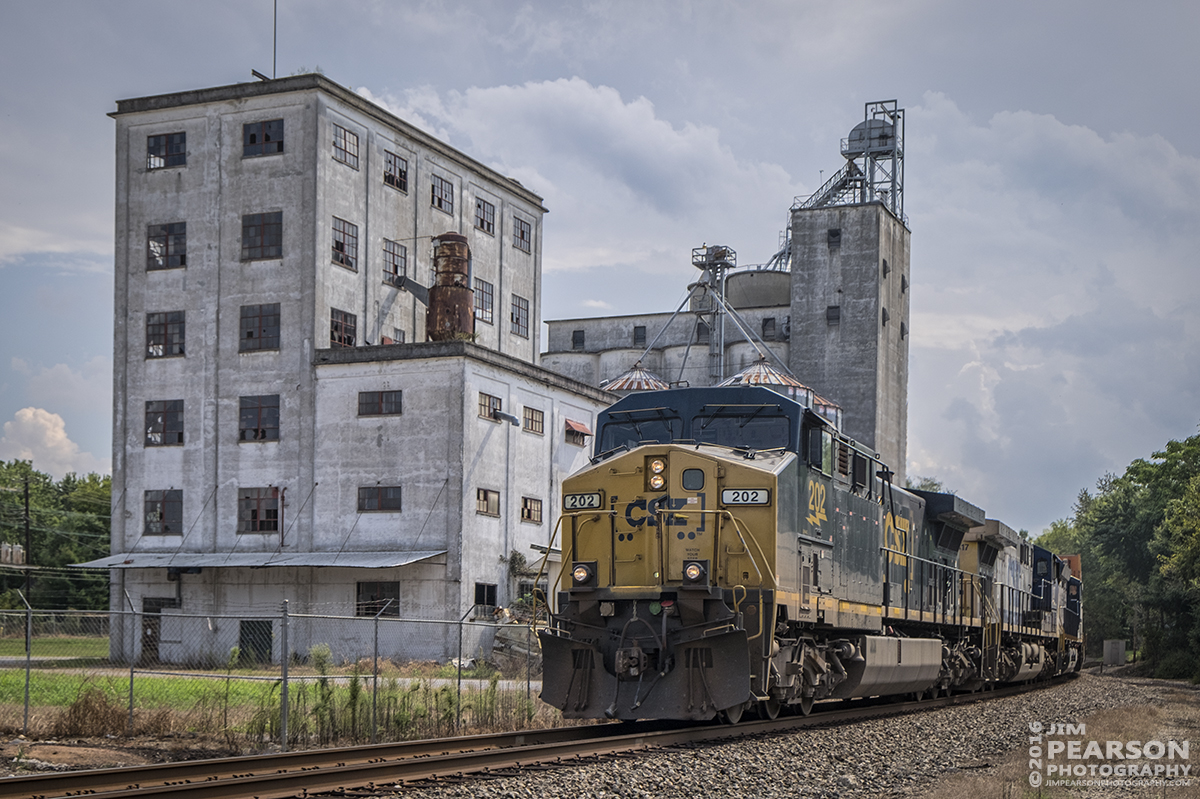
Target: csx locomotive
728	549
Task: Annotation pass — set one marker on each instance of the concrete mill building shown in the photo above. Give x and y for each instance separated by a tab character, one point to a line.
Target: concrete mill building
282	428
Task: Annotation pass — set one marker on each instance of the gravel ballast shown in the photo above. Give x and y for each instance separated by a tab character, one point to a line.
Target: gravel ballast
899	756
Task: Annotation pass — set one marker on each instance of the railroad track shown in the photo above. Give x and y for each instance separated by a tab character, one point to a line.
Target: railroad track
358	770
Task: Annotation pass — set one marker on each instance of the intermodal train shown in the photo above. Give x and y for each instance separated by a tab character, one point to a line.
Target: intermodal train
729	549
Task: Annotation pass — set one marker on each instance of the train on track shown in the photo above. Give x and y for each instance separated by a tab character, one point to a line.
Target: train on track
728	549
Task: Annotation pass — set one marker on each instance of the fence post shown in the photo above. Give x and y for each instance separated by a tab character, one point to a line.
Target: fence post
284	656
28	652
375	670
133	642
458	699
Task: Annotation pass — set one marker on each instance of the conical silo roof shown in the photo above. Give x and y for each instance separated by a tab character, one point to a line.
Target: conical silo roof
636	379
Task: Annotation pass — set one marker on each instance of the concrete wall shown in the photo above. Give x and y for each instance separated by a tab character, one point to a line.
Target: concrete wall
860	362
611	338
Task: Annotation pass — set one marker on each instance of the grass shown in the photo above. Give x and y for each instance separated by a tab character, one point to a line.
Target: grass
329	705
57	647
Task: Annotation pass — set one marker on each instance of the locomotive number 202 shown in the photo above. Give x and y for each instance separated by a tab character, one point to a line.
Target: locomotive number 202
581	501
745	496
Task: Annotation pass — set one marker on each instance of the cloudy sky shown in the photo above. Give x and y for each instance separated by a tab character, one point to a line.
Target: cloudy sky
1053	186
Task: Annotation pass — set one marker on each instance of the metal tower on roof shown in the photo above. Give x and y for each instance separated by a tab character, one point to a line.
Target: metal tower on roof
874	168
714	261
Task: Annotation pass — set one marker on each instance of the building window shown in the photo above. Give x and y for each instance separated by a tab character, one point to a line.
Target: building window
520	316
258	510
378	498
702	332
262	138
395	262
260	327
343	328
164	423
886	269
577	339
522	235
884	316
345	243
166	246
489	406
379	403
834	237
164	334
258	419
442	195
903	284
485	216
768	328
345	146
577	433
483	301
262	236
378	599
833	315
534	421
903	331
170	149
395	171
531	510
485	594
487	502
164	512
398	336
639	335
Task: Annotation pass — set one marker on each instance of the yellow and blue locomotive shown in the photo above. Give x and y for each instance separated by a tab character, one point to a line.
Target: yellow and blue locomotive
729	549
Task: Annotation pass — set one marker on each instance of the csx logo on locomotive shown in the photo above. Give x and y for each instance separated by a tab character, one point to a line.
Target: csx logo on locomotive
641	511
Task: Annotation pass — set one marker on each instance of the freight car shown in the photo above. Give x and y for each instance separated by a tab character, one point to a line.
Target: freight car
728	549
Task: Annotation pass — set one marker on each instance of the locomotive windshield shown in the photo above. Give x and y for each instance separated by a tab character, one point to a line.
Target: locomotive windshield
742	426
630	428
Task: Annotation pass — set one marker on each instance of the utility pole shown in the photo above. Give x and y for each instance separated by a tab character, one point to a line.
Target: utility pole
28	574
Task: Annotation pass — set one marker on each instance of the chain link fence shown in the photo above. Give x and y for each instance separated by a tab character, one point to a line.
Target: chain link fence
268	680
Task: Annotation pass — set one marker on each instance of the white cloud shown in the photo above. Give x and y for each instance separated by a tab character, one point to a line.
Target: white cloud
630	189
1054	305
60	386
39	436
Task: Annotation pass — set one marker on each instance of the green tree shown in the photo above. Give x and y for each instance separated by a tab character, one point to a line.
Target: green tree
69	522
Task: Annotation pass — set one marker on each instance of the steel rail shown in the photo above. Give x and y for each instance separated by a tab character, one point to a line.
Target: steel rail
381	766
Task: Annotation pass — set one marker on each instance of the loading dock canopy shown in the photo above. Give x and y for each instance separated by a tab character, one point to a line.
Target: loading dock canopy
259	560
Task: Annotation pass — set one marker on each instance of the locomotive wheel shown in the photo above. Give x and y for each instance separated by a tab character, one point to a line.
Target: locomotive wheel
732	715
805	705
769	709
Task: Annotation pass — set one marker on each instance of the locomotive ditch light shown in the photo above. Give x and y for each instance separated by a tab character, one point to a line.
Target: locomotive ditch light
657	482
583	575
695	574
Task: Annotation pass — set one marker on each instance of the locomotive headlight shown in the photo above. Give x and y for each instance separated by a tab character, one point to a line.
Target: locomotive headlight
581	573
695	574
658	466
657	482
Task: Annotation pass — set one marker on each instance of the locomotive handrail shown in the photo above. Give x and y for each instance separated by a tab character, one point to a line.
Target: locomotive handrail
737	526
554	534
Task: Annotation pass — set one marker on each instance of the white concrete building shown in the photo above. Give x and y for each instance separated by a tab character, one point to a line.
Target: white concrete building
274	437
